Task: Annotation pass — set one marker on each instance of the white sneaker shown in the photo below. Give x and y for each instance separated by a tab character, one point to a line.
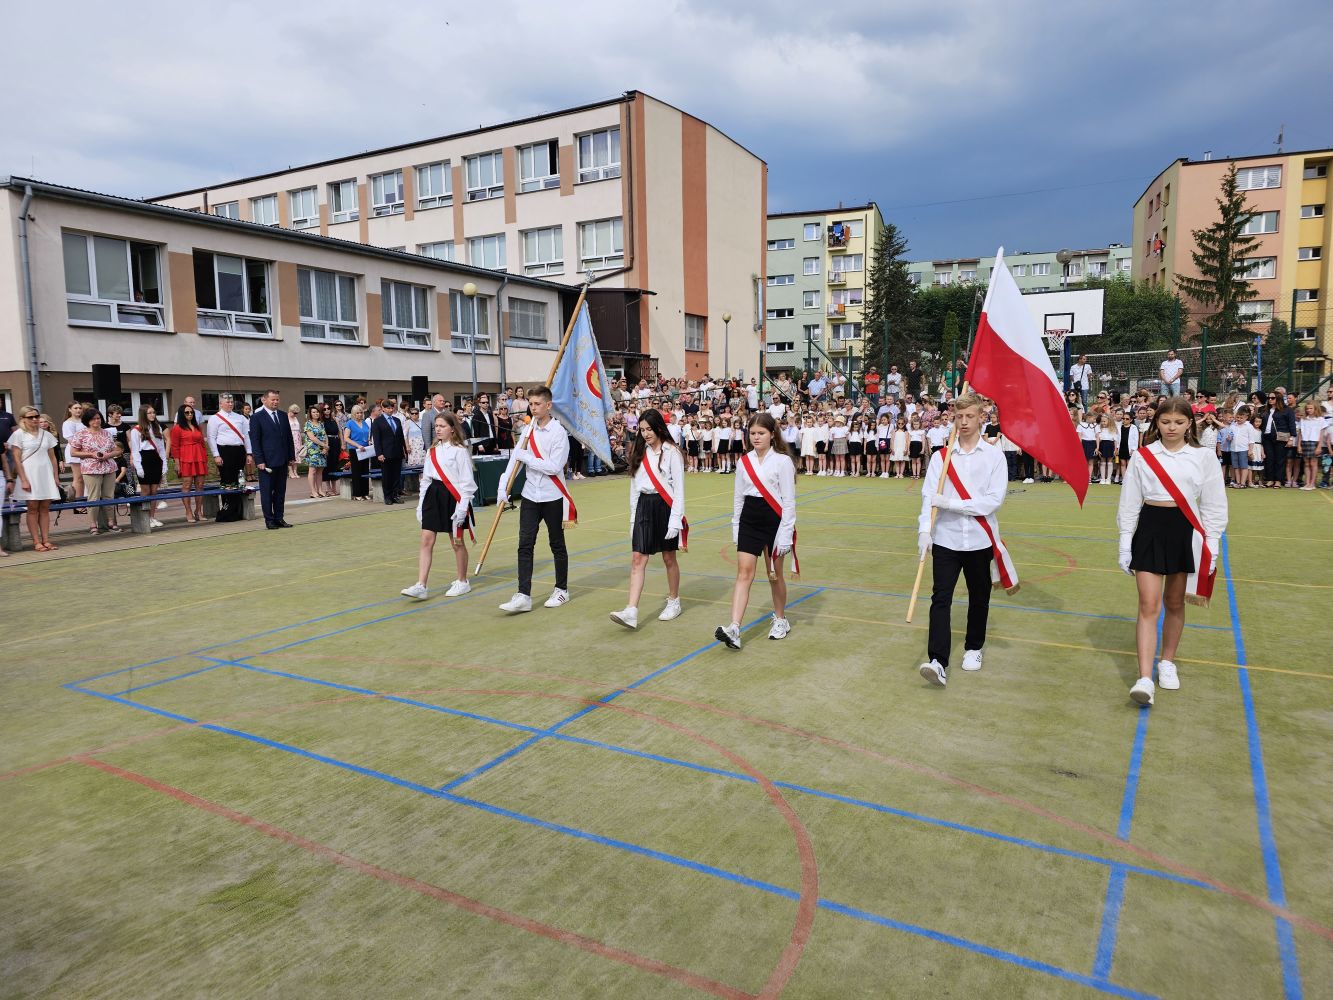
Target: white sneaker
1027	482
517	604
933	672
1167	678
971	659
417	591
1142	691
458	588
154	522
781	628
885	475
160	505
672	610
729	635
557	598
629	618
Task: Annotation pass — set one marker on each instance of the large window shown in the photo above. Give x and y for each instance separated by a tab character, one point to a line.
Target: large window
544	251
695	333
1255	178
781	279
231	294
111	282
1310	253
602	244
1040	269
443	250
810	300
1256	311
850	262
435	185
264	210
328	306
527	320
469	322
847	331
485	176
814	332
810	265
539	166
228	210
1020	270
810	232
487	251
780	346
405	310
386	193
785	244
787	313
1260	222
1257	267
304	205
1312	211
599	155
342	201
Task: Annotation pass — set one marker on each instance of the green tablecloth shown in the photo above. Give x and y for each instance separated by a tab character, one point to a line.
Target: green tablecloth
488	469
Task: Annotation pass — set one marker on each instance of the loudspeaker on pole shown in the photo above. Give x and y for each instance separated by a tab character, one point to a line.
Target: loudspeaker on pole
420	388
106	383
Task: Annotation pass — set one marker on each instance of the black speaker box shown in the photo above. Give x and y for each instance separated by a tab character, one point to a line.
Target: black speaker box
106	382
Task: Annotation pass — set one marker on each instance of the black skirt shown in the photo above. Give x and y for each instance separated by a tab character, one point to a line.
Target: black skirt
152	468
1106	449
914	450
758	528
1089	449
693	448
651	517
437	511
1163	542
855	448
738	447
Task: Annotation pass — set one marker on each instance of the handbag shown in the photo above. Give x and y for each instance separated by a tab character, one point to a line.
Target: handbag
1283	437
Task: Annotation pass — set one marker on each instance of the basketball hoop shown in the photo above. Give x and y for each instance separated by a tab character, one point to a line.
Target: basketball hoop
1055	340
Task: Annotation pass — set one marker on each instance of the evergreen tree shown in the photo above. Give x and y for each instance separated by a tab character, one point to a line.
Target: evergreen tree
889	295
1218	253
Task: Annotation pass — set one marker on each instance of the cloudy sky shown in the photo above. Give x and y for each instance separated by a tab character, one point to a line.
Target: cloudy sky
1031	123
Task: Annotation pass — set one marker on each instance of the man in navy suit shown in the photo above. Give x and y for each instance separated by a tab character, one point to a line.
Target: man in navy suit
271	445
390	447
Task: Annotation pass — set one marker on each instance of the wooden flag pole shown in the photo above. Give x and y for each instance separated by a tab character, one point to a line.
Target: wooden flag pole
523	443
934	511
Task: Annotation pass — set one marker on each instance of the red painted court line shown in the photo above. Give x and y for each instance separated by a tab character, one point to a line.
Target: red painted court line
683	976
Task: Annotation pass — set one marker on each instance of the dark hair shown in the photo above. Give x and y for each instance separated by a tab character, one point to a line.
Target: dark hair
192	423
779	444
145	428
539	392
639	446
456	425
89	412
1179	406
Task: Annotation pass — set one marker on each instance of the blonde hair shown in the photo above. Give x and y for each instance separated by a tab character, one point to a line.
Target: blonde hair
966	400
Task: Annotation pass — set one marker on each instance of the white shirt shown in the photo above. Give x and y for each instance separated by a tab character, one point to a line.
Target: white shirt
985	473
219	433
1087	431
893	383
139	444
669	468
777	411
553	442
752	396
1198	475
1171	369
1311	428
778	474
939	437
1079	375
457	465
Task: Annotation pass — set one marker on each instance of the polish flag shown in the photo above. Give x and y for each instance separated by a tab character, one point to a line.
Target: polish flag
1009	364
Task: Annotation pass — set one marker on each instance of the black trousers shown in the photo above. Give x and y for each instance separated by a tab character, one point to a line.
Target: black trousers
1275	459
530	515
360	484
233	466
1025	460
975	567
273	493
391	480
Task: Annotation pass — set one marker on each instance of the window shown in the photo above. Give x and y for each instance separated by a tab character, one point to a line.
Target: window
1020	270
968	275
328	306
1040	269
405	310
264	211
857	227
599	155
231	294
469	322
1256	178
435	185
813	331
1304	333
112	282
539	166
487	251
485	176
386	193
602	244
847	331
1307	295
781	279
780	313
695	327
1126	264
1257	267
304	209
527	320
914	277
1256	311
544	251
1315	171
1310	253
810	231
228	210
944	278
810	300
780	346
850	262
440	251
1096	268
342	201
810	265
1312	211
1260	222
848	296
787	244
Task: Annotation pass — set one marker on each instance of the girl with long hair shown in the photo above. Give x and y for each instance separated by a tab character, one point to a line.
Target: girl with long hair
445	504
1106	441
149	452
656	514
72	425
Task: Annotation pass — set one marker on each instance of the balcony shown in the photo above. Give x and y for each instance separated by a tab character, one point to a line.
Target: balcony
838	235
837	311
837	278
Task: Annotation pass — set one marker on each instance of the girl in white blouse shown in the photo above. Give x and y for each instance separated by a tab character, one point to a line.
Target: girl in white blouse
722	445
445	506
1173	510
757	528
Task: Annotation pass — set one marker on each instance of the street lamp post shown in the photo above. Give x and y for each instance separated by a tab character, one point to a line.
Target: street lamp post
470	292
726	344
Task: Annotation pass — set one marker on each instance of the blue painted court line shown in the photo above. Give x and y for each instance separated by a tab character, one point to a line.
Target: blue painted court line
604	700
1277	893
165	680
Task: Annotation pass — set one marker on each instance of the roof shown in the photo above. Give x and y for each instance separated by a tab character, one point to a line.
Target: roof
825	211
63	193
1185	161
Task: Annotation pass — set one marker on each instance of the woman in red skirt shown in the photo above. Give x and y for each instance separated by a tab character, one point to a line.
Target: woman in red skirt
187	447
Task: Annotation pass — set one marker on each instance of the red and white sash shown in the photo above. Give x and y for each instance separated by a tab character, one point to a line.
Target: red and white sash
773	503
453	492
571	513
233	428
662	492
1003	572
1199	584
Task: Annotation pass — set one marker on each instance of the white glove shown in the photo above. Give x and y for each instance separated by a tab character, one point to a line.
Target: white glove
673	532
780	550
460	517
923	544
1215	547
1123	561
523	455
943	503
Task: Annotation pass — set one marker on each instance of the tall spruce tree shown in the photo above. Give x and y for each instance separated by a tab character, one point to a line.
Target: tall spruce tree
889	294
1218	254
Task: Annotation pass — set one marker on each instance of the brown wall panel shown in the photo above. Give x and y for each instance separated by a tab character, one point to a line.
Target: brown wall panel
323	220
363	212
460	192
511	185
374	320
409	193
566	171
180	279
289	302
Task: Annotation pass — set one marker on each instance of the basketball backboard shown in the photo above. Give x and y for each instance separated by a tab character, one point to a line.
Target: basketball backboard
1078	312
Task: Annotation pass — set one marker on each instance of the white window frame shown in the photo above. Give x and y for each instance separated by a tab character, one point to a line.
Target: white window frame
786	312
1020	270
1315	171
529	163
970	274
543	250
1259	178
330	331
125	314
849	297
264	210
339	210
814	332
1257	223
494	180
1256	311
856	228
847	331
387	194
1041	269
785	243
943	278
781	347
1252	268
848	263
228	210
426	194
811	232
461	309
614	255
238	323
303	204
1306	295
696	333
401	330
810	265
586	154
775	280
1309	253
529	313
433	250
494	241
810	299
1125	264
1312	211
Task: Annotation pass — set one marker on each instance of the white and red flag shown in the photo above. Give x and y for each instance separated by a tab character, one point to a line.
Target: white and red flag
1009	365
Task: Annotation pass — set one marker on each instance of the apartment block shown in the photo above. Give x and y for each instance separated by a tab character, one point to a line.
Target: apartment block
814	292
663	209
1033	271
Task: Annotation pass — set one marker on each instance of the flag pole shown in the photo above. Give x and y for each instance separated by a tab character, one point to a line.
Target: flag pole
523	443
935	511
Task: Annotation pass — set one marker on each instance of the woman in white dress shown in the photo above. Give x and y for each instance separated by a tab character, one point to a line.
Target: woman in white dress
33	451
72	425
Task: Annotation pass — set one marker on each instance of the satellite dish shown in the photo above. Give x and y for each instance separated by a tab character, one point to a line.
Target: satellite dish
1064	256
